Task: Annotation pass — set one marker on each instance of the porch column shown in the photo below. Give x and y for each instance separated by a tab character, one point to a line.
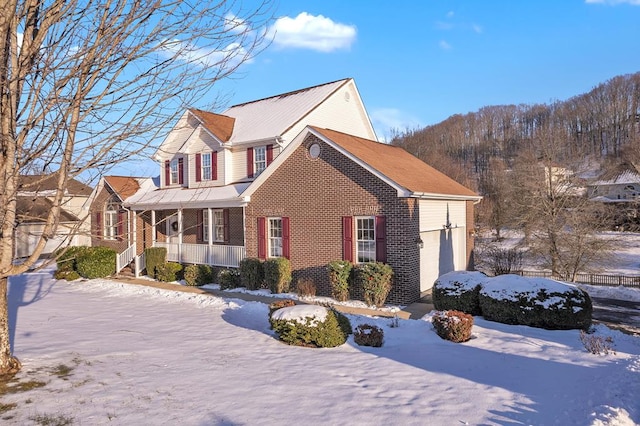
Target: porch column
180	235
210	234
135	231
153	228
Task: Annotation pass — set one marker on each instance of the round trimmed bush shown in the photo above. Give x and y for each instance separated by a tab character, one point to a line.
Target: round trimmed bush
96	262
311	326
454	326
368	335
458	291
536	302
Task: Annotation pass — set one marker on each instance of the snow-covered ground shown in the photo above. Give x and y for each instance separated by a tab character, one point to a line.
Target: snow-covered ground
144	356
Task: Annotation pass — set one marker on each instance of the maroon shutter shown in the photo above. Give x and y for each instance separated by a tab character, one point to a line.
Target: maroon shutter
381	239
200	220
286	251
214	165
225	219
262	238
249	162
269	154
198	167
180	171
98	225
120	236
167	173
347	238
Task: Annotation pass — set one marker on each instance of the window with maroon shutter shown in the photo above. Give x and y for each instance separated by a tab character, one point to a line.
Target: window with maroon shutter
214	165
262	238
381	239
200	229
198	167
167	172
347	238
180	171
120	233
286	245
269	154
98	232
249	162
225	215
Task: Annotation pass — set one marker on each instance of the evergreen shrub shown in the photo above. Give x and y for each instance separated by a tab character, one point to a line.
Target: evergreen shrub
96	262
311	331
277	274
251	273
229	279
339	278
169	272
154	257
375	280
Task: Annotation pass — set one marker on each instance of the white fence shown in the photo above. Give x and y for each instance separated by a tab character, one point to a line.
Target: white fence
216	255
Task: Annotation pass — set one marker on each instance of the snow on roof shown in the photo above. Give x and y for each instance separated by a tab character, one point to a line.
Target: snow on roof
271	117
622	175
173	198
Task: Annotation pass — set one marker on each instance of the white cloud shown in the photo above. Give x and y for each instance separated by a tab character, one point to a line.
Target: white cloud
312	32
388	121
444	45
614	2
234	24
205	57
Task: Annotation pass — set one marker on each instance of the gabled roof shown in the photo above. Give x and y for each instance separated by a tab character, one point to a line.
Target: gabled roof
273	116
44	184
221	126
626	173
36	209
408	174
123	186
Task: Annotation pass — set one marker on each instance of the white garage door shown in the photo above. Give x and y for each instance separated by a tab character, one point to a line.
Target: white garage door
444	251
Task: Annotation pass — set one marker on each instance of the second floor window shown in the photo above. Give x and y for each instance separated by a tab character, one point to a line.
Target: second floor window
206	166
174	169
259	159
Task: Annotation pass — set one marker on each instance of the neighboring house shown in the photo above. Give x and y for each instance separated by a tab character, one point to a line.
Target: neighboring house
619	189
267	179
34	201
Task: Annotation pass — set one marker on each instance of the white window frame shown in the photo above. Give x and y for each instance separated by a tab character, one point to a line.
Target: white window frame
218	225
274	237
365	237
259	160
174	170
110	231
206	166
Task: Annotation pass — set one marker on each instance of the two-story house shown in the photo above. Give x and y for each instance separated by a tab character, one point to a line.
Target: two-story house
300	175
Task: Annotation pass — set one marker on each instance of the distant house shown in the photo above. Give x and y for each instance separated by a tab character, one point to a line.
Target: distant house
298	175
619	185
35	200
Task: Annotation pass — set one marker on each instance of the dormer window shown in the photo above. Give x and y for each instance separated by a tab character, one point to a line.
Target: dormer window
260	159
174	171
206	166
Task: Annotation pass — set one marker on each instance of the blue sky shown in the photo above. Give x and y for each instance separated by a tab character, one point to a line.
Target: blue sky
418	62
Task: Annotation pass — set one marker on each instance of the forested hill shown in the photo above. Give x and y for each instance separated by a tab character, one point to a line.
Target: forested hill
602	125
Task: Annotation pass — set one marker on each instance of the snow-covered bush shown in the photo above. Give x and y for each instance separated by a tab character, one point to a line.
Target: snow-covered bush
458	291
279	304
311	326
453	325
536	302
368	335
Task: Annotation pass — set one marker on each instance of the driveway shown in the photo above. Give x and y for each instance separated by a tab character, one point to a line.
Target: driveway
617	313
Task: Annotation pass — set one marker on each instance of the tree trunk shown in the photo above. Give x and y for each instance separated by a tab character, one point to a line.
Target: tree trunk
8	363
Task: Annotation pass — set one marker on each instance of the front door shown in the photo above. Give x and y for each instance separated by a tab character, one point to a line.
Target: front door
172	229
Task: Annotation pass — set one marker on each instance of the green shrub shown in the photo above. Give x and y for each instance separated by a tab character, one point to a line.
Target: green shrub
279	304
312	331
306	287
96	262
66	275
228	279
154	257
277	274
197	275
339	275
453	325
66	259
537	302
375	281
169	272
368	335
458	291
251	273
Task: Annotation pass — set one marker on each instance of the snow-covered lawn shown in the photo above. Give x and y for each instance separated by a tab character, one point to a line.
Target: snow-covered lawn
143	356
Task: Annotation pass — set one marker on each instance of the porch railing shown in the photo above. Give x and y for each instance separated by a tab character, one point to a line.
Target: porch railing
140	264
125	258
216	255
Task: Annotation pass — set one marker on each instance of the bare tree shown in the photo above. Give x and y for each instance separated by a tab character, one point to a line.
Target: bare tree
86	84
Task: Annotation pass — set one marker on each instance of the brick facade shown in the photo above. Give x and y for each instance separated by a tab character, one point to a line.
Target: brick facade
97	209
315	194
